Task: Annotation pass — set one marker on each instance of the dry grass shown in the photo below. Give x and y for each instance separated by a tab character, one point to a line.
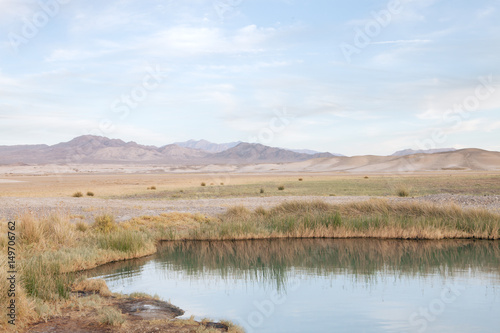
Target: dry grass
375	218
104	223
110	316
93	286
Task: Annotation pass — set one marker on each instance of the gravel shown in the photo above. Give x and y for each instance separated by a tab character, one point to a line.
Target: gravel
124	209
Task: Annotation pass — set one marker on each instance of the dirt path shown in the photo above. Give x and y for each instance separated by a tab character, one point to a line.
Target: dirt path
124	209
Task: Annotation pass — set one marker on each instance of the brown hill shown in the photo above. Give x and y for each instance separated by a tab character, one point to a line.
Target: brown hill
465	159
96	149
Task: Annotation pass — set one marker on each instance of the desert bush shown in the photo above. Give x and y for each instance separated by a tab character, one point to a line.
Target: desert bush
300	179
104	223
82	226
261	190
281	187
90	194
403	192
77	194
203	184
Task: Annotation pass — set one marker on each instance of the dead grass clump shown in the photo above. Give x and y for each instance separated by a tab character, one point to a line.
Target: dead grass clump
104	223
91	286
260	211
110	316
237	212
30	230
402	192
81	226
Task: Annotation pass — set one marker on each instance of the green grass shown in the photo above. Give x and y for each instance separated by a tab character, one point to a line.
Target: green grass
373	219
376	185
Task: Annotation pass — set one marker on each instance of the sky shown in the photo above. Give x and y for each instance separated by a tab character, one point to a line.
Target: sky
349	77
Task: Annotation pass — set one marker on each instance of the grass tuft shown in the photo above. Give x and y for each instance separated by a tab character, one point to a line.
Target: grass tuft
104	223
110	316
78	194
90	194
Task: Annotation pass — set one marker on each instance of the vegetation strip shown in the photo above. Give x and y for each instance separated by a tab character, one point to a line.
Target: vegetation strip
51	249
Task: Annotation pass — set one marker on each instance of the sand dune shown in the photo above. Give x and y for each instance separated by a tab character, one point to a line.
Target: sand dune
466	159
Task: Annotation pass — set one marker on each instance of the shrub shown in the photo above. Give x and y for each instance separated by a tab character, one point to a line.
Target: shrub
153	188
81	226
300	179
366	177
78	194
104	223
281	188
222	184
111	316
203	184
403	192
90	194
261	190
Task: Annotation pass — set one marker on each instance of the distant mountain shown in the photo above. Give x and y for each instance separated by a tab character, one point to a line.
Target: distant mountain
207	145
407	152
97	149
311	152
257	153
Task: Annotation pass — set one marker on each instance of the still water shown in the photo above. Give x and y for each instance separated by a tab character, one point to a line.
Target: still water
325	285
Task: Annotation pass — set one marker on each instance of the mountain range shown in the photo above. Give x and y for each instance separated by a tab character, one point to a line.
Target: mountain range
90	149
98	149
205	156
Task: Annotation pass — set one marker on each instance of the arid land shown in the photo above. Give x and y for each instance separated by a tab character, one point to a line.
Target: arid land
143	204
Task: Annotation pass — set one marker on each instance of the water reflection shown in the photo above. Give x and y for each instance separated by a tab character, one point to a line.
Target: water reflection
321	284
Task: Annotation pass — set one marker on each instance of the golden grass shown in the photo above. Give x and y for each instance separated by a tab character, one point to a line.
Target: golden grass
376	218
94	286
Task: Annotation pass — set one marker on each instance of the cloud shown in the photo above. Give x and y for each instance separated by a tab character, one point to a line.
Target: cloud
402	41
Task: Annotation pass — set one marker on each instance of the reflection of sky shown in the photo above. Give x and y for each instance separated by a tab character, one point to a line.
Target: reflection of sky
340	301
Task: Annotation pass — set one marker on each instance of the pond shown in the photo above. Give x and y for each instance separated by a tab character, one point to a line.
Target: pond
321	285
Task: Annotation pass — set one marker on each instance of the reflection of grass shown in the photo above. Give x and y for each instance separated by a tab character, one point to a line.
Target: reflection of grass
271	260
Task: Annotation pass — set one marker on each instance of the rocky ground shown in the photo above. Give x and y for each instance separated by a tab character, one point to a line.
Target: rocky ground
123	209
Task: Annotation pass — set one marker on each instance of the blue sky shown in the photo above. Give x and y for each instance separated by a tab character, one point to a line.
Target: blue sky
350	77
